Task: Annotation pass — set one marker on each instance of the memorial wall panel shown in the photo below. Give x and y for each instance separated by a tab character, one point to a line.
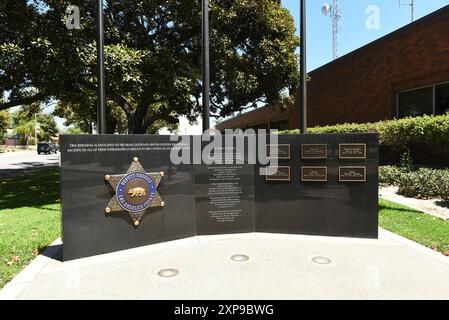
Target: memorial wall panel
85	194
121	192
310	205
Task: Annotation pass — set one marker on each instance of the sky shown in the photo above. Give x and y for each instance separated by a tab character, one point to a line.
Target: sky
353	30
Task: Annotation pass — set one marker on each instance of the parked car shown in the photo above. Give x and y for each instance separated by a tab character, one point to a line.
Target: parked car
46	148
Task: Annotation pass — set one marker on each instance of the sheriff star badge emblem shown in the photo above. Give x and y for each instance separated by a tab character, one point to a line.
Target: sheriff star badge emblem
135	191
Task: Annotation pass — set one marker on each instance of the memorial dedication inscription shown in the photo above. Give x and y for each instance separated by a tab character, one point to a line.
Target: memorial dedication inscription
225	199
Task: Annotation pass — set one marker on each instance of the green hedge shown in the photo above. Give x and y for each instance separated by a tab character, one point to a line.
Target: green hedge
423	183
430	130
390	175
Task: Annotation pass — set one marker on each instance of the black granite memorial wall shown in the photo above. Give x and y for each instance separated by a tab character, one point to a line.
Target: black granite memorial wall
323	185
316	201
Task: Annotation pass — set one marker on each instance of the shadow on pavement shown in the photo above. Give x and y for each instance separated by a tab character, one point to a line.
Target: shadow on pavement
29	167
53	252
444	204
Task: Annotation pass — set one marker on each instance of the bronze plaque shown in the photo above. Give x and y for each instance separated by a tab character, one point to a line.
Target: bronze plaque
352	174
314	151
278	151
277	174
352	151
314	174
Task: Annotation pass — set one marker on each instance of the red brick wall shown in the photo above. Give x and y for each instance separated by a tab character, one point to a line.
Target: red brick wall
257	118
362	85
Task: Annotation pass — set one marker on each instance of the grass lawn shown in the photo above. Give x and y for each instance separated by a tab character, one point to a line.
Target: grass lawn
30	219
427	230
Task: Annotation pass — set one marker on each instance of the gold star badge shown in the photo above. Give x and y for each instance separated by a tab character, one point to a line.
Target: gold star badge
135	191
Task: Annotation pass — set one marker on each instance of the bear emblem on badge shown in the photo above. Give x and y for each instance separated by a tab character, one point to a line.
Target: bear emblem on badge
137	192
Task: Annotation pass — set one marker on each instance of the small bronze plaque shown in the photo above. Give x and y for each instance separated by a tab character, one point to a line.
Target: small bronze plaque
278	151
352	174
277	173
314	174
314	151
352	151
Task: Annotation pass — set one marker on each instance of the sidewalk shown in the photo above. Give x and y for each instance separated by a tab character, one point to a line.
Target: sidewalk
279	267
432	207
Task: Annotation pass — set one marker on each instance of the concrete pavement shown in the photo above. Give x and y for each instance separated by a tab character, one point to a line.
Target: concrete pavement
279	267
17	163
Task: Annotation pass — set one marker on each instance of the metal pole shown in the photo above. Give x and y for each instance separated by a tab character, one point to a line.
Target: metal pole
35	130
206	66
303	71
101	109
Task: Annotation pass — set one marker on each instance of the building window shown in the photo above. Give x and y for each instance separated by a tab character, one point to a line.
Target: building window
262	126
416	103
280	125
442	99
432	100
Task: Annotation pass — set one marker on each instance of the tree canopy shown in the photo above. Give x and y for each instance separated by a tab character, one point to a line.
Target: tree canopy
24	123
152	58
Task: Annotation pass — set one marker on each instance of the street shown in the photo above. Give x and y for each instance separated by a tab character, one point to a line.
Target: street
16	163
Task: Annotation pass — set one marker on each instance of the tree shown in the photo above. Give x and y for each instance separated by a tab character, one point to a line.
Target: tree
48	128
74	130
81	114
152	57
25	130
5	120
23	121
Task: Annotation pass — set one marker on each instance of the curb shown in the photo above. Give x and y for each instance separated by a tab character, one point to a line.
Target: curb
414	245
15	287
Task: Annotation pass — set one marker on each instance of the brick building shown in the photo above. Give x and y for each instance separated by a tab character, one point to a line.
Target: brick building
405	73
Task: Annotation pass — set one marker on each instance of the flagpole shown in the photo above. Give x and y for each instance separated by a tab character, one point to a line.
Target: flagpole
101	109
303	70
206	65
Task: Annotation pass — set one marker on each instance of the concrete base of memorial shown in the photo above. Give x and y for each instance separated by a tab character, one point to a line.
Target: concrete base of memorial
279	267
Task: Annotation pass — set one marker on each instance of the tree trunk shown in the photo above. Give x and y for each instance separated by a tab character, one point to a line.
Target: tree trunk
136	123
111	125
135	126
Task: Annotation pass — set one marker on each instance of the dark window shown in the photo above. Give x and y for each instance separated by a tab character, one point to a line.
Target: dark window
263	126
442	98
280	125
415	103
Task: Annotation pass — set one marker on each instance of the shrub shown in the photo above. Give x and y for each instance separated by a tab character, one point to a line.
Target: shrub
430	130
424	183
389	175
